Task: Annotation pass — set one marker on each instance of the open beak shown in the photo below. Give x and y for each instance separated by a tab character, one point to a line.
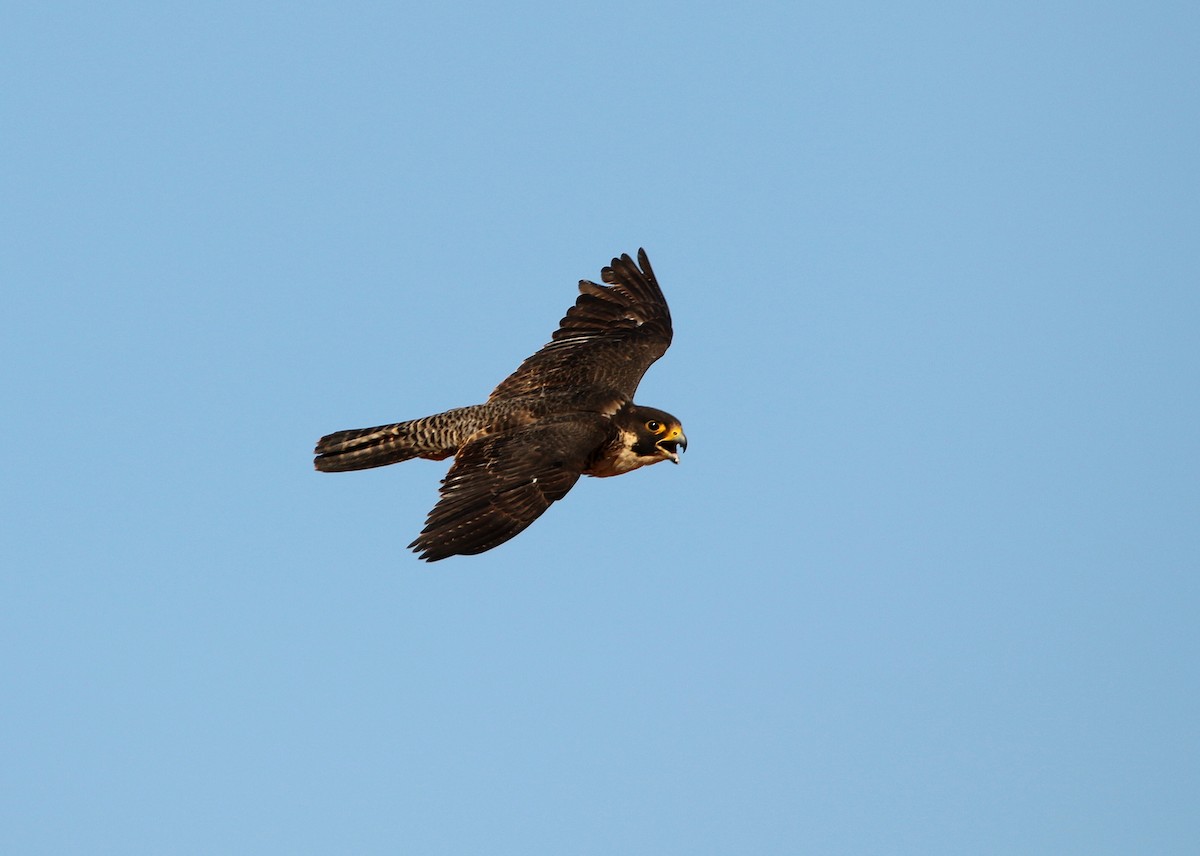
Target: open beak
673	444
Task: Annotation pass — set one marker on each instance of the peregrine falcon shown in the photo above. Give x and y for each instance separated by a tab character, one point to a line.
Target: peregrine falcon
566	411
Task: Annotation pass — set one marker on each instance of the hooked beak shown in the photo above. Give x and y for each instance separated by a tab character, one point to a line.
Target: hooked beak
672	445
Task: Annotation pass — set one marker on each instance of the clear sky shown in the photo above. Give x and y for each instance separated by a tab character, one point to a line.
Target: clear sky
925	582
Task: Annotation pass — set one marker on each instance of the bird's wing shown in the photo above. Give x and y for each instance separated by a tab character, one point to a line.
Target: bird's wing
502	482
606	341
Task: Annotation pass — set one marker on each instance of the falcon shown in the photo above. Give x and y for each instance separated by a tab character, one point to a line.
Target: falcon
566	412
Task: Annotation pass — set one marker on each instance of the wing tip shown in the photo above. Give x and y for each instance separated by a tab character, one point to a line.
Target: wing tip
623	270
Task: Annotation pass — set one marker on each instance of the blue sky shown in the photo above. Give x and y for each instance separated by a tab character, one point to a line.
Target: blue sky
925	582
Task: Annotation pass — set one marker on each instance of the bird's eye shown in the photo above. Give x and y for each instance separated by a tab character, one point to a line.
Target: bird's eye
654	427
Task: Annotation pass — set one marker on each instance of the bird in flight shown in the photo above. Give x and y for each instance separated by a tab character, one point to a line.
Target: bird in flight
566	411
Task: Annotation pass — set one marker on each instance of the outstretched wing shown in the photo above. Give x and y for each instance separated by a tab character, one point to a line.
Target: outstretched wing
606	341
502	482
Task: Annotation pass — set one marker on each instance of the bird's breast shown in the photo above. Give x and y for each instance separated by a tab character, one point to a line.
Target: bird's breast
618	457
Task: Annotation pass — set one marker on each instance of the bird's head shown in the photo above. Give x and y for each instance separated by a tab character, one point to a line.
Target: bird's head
657	435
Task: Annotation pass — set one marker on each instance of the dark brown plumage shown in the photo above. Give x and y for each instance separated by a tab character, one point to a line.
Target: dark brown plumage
566	411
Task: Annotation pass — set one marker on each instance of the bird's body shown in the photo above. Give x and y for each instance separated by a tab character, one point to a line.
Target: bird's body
566	411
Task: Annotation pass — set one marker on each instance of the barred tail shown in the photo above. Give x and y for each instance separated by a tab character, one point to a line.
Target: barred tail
363	448
435	437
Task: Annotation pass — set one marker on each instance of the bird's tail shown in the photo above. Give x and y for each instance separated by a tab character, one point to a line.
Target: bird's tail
436	437
363	448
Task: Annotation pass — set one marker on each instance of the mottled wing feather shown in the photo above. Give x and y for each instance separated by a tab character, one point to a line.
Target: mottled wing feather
606	341
502	482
